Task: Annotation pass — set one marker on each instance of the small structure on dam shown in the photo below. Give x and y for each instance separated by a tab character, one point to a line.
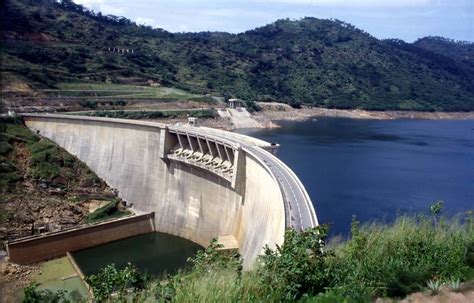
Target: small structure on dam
200	183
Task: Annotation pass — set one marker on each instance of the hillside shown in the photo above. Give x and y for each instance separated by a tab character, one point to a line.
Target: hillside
44	188
459	50
326	63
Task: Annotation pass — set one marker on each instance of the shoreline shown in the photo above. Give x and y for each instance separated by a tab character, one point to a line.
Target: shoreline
273	112
269	117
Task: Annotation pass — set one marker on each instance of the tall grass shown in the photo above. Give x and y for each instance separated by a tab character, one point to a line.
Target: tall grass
378	260
393	260
389	260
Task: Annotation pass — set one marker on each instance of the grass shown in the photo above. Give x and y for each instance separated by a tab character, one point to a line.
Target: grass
112	90
11	130
411	254
396	259
46	161
111	210
377	261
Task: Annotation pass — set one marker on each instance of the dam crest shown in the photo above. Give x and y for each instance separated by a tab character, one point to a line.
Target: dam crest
200	183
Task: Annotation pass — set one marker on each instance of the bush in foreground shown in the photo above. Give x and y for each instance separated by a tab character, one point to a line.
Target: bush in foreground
378	260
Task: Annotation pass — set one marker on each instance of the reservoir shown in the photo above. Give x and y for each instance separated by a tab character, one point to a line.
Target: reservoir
155	253
378	169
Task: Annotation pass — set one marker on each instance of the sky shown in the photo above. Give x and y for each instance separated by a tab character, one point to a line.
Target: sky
402	19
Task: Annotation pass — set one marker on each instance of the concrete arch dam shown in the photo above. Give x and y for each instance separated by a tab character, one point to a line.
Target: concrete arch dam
202	183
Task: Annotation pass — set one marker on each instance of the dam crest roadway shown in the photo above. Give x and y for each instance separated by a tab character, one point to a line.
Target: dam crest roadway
201	183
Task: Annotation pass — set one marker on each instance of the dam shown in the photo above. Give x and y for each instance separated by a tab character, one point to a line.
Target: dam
200	183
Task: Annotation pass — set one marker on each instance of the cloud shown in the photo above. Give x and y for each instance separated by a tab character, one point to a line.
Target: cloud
103	6
145	21
232	12
354	3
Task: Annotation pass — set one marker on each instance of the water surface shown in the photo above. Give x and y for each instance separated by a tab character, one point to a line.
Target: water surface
153	253
377	169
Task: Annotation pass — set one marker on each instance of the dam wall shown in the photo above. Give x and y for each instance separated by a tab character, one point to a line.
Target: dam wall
55	244
263	214
155	169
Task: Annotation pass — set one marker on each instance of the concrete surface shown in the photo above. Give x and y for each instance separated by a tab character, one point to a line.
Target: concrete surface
239	117
201	183
55	244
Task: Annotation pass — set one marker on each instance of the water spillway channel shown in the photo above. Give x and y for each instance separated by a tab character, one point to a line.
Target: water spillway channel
154	253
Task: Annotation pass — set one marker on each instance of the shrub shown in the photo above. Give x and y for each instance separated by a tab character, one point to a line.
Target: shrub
213	257
111	280
108	211
5	148
252	106
34	295
299	266
89	104
45	161
295	104
378	260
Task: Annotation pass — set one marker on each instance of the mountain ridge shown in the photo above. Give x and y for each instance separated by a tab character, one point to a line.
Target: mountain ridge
319	62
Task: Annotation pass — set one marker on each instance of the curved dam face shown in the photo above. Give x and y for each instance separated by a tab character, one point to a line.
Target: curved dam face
201	183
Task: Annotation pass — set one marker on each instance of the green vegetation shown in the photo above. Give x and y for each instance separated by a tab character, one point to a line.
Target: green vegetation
110	280
46	161
10	131
111	90
57	275
34	295
153	114
111	210
327	63
458	50
411	254
378	260
37	177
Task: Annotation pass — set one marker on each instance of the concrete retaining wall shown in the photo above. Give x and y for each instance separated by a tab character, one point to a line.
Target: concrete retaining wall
50	245
188	201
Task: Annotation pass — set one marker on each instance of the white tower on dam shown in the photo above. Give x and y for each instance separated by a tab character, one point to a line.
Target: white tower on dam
201	183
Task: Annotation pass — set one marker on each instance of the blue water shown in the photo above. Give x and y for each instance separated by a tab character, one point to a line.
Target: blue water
375	169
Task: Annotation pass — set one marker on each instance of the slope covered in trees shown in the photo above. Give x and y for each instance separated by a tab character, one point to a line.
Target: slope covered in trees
458	50
326	63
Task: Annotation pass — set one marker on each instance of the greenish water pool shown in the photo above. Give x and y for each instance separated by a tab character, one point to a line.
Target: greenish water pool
155	253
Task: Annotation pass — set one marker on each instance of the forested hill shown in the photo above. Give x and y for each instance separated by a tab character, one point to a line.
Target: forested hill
458	50
326	63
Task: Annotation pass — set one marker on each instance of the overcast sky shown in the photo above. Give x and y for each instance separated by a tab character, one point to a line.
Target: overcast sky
404	19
